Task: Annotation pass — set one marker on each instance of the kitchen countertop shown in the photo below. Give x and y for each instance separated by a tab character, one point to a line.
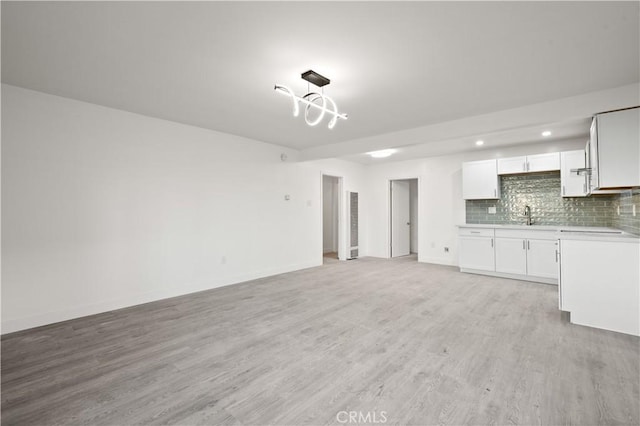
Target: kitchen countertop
592	233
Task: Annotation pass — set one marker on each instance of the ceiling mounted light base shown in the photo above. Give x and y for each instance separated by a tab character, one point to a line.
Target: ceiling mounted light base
315	78
319	101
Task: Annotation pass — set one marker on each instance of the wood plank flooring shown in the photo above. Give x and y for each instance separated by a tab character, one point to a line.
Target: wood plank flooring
422	343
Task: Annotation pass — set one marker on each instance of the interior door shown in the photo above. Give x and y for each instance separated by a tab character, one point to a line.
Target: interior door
400	219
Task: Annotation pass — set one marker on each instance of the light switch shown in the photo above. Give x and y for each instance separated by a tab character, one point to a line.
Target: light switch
492	210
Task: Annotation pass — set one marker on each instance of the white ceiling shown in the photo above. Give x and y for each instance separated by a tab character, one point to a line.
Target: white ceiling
393	66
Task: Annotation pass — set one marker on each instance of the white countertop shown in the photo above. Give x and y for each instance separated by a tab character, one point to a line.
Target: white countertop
567	232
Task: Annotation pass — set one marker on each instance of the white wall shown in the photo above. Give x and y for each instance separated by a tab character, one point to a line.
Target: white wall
104	209
441	206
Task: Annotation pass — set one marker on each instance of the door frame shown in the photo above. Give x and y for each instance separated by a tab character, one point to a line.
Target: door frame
389	207
342	241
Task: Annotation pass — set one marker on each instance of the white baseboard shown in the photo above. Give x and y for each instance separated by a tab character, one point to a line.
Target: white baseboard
438	260
51	317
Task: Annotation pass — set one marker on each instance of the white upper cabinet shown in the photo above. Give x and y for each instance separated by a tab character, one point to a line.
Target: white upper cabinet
480	180
512	165
529	163
615	149
543	162
573	184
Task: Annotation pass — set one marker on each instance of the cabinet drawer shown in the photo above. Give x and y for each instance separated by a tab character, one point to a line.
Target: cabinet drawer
527	234
476	232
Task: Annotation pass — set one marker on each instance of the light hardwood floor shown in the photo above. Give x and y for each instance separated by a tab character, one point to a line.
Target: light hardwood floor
423	343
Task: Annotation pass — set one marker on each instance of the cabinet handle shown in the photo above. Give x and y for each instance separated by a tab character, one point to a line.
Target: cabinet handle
495	192
492	242
528	245
527	166
475	232
584	188
524	167
564	190
556	256
522	244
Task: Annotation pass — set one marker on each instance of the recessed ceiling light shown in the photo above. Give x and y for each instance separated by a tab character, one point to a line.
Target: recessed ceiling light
546	133
479	143
382	153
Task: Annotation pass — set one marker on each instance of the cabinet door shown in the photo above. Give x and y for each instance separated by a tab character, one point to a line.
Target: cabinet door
543	162
542	259
480	180
512	165
572	184
618	148
477	253
511	256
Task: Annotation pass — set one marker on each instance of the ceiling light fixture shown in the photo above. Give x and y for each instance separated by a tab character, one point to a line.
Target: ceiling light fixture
546	133
479	143
319	101
383	153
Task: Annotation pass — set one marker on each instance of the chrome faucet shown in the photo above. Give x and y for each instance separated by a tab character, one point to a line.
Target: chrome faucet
527	214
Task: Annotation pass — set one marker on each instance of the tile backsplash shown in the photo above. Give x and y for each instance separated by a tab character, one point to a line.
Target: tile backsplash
624	204
541	192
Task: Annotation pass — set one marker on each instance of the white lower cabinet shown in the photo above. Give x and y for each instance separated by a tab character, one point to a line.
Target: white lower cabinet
542	259
511	256
531	257
600	284
512	253
477	253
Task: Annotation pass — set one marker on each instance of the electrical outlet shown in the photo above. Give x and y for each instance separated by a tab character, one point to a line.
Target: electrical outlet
446	249
433	245
618	210
633	209
223	260
491	210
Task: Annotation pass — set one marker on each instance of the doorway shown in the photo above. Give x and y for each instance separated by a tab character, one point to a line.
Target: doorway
331	189
403	214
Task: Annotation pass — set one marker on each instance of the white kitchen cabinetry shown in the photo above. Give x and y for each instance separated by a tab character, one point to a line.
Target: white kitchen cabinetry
512	165
542	260
535	258
614	149
599	283
510	253
480	180
543	162
476	249
572	183
529	163
511	256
